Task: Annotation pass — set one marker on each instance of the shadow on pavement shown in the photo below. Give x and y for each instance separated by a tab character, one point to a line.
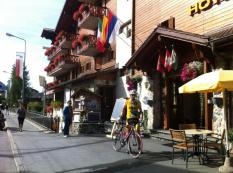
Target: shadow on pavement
144	164
13	129
63	147
6	155
16	129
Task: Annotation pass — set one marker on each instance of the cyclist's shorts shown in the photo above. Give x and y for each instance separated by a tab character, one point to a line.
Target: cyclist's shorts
137	126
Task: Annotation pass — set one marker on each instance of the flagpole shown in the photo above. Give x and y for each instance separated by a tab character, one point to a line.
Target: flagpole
23	82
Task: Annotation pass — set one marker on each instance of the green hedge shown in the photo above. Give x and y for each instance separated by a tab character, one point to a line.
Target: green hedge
35	106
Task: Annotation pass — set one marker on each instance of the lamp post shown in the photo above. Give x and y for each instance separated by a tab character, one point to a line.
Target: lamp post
23	84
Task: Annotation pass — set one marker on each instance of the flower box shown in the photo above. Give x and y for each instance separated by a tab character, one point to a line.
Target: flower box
191	70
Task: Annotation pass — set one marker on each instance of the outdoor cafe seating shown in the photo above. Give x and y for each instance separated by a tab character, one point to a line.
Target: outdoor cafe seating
194	142
215	142
180	142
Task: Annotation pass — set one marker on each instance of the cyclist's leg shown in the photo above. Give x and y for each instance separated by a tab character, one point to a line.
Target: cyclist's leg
134	148
137	128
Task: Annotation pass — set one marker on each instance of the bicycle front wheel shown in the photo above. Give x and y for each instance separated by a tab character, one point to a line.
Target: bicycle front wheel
117	141
135	145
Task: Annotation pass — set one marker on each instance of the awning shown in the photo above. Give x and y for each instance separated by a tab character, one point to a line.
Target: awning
153	41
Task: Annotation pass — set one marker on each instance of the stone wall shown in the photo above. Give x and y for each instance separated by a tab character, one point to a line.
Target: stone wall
218	118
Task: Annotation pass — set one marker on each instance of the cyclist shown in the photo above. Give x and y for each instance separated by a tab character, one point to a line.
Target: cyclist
132	109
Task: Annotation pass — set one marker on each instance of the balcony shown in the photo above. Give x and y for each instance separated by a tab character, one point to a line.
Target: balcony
85	46
66	42
109	64
57	51
63	66
87	16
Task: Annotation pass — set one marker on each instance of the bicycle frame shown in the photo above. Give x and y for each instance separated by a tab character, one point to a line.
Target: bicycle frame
121	140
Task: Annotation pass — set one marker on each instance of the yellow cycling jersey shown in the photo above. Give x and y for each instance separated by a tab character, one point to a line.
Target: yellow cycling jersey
133	109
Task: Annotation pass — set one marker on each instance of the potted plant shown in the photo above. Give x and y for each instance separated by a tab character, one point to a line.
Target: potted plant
56	104
191	70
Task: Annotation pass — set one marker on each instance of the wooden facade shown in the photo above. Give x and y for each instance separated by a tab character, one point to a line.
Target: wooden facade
150	13
171	108
82	65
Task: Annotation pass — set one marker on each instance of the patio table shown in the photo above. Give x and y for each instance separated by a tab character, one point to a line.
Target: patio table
197	135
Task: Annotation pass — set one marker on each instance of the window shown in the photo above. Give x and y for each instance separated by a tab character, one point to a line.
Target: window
88	66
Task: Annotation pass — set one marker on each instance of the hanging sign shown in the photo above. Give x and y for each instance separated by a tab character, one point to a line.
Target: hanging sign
202	5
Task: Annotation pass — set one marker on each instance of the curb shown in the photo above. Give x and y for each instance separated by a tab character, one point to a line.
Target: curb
38	126
18	161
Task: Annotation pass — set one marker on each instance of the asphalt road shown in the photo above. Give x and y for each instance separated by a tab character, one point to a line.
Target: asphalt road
42	152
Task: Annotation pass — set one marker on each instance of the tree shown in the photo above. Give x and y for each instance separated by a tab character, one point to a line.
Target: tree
15	91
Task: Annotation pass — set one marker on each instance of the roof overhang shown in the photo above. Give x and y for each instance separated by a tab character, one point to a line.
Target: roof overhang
48	33
222	38
153	41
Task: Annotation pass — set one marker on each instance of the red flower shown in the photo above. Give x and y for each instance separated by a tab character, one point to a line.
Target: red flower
76	43
191	70
77	16
81	7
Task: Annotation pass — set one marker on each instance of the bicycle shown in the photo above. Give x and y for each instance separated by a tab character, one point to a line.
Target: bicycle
132	138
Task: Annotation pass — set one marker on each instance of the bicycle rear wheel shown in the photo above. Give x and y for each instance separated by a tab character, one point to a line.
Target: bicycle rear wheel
117	141
135	145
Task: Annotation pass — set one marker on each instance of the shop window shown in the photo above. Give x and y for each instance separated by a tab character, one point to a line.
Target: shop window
82	69
88	66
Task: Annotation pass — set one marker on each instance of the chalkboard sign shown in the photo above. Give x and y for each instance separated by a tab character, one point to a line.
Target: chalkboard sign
117	110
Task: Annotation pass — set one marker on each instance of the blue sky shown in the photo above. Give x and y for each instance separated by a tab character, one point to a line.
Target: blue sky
26	19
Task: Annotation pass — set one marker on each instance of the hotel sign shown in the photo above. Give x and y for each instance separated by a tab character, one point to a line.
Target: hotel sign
203	5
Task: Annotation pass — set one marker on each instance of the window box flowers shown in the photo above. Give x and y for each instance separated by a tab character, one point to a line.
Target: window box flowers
83	8
77	16
133	82
191	70
76	43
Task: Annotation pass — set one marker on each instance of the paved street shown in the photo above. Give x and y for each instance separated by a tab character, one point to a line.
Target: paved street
6	157
49	152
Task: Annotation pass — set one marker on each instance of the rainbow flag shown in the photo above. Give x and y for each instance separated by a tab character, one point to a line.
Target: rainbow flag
99	44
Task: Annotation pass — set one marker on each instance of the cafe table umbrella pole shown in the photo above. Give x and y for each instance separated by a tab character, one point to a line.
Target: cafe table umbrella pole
227	167
217	81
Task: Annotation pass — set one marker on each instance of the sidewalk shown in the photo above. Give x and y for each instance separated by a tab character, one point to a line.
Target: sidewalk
7	164
45	152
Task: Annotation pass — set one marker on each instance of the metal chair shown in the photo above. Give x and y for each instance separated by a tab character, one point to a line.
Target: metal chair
180	142
215	142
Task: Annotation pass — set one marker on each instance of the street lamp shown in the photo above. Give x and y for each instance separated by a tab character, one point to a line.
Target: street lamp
23	84
4	71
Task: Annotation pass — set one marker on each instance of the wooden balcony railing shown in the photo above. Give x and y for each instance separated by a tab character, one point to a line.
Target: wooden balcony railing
86	47
88	18
63	66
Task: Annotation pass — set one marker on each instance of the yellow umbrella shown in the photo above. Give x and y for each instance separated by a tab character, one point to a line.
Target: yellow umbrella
210	82
216	81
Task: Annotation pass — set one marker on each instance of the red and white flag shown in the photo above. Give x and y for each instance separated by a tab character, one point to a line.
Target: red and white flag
19	64
168	61
160	63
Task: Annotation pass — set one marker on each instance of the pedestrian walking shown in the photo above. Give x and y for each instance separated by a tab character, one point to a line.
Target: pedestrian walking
2	120
21	116
67	116
7	109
